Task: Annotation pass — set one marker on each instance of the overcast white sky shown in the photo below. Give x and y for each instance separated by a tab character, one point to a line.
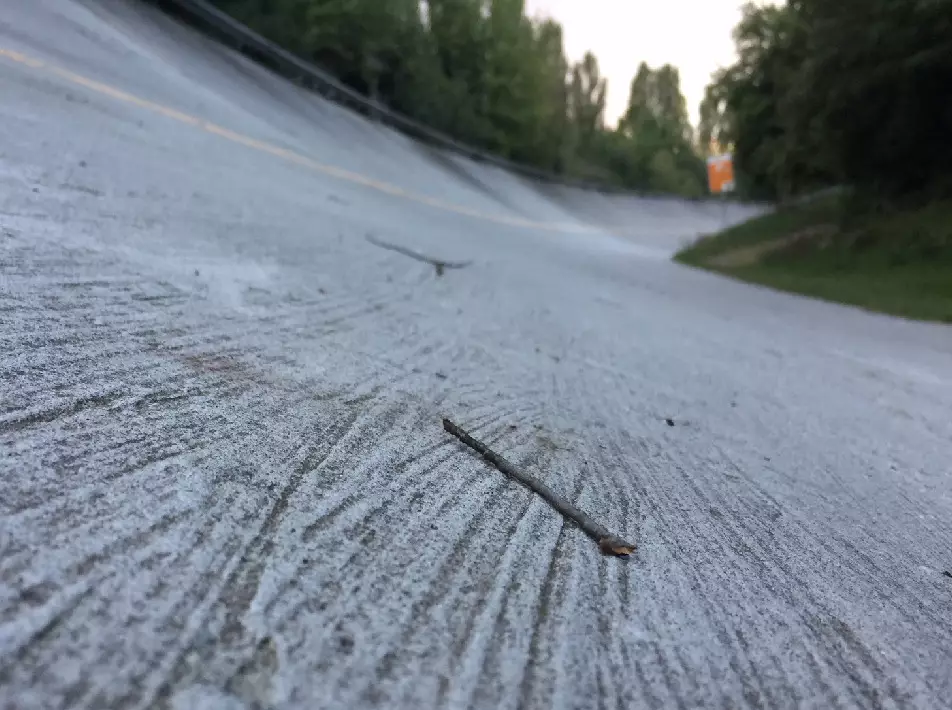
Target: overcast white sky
693	35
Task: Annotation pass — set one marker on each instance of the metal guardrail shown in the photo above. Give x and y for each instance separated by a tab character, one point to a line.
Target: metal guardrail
291	66
814	196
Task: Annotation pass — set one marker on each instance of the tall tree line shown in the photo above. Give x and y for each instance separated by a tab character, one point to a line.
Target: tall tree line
486	74
851	92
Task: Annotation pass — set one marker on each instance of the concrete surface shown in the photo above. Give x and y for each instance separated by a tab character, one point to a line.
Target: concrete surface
223	480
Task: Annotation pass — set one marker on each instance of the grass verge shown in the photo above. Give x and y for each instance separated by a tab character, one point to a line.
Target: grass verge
896	261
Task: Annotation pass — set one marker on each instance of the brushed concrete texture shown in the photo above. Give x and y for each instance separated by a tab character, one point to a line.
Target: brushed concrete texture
223	478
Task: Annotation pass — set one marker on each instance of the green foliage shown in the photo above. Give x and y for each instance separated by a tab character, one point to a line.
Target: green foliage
875	90
655	136
896	261
484	73
586	102
852	92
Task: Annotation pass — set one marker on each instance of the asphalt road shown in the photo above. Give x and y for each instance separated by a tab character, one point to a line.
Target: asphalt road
223	479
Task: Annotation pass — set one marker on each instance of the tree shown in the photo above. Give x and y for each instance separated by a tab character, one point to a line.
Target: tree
873	91
714	131
460	36
752	90
586	105
656	94
484	73
363	42
851	92
512	95
659	148
553	139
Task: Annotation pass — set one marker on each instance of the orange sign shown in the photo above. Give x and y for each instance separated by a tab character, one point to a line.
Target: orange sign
720	173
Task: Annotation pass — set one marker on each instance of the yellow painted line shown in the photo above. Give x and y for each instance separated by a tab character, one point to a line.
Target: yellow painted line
285	154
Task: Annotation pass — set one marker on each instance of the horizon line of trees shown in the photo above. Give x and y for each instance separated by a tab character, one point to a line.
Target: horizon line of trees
484	73
853	93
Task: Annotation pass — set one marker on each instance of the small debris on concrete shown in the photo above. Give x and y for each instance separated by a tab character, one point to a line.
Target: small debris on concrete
438	264
608	544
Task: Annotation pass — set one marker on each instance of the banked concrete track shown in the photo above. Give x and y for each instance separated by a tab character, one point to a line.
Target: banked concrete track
223	480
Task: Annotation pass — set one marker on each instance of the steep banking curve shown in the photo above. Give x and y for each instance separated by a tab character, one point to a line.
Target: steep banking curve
176	69
223	478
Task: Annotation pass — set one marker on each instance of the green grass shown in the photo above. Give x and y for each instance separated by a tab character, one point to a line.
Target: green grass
896	261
